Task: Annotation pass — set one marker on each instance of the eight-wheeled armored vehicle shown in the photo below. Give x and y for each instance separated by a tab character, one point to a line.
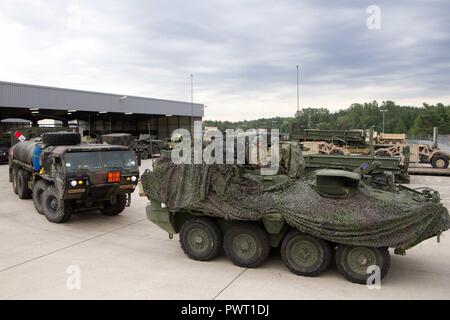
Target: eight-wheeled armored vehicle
337	215
64	176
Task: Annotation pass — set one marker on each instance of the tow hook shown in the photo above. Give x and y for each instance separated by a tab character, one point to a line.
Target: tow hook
170	236
400	252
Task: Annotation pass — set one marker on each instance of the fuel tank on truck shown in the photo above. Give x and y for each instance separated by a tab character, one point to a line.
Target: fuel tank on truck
23	151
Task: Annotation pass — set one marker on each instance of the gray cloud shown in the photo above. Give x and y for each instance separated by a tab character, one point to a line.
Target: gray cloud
243	54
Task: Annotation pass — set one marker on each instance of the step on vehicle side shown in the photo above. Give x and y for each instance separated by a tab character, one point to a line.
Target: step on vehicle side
355	243
63	176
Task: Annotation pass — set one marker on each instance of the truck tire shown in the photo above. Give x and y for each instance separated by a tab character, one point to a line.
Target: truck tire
55	210
383	153
145	155
305	255
247	245
440	161
61	138
201	239
110	209
14	180
352	262
38	192
22	184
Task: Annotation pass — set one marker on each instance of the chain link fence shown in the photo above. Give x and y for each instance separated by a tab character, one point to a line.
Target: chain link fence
443	140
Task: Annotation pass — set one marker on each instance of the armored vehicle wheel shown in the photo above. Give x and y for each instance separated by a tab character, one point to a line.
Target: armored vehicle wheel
14	180
61	138
38	191
145	155
352	262
440	162
115	209
247	245
201	239
22	185
55	209
305	255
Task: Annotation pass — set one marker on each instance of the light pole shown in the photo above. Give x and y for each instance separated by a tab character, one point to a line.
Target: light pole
298	93
192	103
383	112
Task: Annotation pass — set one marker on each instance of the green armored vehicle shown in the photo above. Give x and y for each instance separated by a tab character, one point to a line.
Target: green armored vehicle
64	176
339	215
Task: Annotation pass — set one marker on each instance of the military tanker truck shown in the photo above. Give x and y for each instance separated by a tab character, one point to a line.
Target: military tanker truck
358	142
64	176
337	215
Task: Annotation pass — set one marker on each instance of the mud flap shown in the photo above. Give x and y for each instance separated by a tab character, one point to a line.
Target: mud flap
128	200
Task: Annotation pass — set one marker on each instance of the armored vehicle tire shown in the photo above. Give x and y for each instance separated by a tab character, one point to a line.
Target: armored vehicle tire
55	210
440	162
201	239
61	138
305	255
22	184
247	245
145	155
353	262
38	192
115	209
14	180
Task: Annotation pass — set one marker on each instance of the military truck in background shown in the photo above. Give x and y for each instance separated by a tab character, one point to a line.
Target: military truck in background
147	146
393	165
338	214
64	176
360	142
4	150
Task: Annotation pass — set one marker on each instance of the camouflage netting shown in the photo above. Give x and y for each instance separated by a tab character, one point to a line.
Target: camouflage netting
365	218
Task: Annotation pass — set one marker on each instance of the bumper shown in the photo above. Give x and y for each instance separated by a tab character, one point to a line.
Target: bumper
98	192
161	217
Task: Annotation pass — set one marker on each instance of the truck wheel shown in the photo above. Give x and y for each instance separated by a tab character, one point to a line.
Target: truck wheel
61	138
440	162
55	210
22	184
352	262
305	255
38	191
14	180
115	209
383	153
247	245
201	239
145	155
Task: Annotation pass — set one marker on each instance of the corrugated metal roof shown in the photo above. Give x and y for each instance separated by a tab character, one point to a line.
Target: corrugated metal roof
16	95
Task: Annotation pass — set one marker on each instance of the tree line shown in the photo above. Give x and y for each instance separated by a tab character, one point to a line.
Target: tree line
415	121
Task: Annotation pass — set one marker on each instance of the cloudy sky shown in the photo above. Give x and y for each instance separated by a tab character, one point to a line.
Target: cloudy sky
243	54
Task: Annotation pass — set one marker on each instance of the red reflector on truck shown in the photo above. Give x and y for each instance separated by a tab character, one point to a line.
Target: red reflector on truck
113	177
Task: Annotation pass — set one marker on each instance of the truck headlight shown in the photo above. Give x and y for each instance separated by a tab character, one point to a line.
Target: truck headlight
73	183
133	178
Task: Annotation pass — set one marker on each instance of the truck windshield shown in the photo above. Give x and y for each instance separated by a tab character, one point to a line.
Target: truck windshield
82	160
98	160
117	159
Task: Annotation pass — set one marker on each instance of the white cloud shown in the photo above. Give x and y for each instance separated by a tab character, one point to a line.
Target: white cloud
243	55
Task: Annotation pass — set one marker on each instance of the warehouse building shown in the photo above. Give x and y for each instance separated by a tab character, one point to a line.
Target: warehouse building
96	113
